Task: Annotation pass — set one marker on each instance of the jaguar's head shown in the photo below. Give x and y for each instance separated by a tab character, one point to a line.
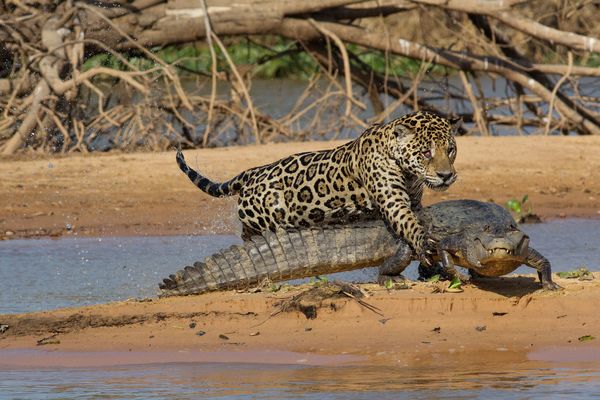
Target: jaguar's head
424	145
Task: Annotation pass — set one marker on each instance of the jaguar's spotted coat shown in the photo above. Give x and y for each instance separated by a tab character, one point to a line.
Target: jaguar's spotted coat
382	171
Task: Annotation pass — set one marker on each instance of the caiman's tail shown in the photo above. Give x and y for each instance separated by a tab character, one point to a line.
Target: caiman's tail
285	255
215	189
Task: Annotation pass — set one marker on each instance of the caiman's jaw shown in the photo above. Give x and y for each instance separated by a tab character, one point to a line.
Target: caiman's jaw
497	254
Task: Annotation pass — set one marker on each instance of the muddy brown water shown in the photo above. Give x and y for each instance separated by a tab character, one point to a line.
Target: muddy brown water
287	375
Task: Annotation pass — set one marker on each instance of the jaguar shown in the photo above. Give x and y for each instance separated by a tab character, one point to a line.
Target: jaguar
380	174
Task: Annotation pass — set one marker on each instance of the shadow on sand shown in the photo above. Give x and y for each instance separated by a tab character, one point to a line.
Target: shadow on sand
508	286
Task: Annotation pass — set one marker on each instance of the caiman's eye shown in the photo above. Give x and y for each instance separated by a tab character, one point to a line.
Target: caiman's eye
513	227
486	228
427	154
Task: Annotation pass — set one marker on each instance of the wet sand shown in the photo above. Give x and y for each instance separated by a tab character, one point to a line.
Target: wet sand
145	193
496	320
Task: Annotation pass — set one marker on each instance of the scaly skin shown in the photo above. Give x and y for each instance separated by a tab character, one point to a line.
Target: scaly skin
482	237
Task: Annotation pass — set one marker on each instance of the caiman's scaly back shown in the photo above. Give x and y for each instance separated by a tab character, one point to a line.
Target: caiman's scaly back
284	255
482	237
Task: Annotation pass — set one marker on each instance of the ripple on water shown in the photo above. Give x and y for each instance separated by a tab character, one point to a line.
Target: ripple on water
193	380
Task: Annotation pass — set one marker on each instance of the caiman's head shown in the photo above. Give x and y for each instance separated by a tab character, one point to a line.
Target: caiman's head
496	251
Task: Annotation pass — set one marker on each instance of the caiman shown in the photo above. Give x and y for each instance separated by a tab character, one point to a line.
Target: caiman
482	237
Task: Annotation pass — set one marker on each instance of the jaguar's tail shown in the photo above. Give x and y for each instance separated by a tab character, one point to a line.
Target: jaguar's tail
216	189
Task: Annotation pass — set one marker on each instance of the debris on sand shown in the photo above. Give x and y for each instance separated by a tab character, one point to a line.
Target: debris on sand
581	273
48	340
323	295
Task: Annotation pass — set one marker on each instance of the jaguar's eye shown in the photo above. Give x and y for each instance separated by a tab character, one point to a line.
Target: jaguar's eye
427	154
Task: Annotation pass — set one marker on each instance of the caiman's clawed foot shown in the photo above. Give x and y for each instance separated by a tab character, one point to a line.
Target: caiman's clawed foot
465	279
446	274
551	286
426	272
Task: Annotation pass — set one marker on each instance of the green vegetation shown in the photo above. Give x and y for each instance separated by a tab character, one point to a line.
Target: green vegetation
593	60
389	284
581	273
455	283
586	338
396	65
521	209
275	57
319	280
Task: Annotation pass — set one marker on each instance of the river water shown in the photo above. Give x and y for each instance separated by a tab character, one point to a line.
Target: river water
45	274
251	381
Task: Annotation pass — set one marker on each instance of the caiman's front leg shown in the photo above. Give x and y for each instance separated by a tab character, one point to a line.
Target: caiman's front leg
445	248
393	267
542	265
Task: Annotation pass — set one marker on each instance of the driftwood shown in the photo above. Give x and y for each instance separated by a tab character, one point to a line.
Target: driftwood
48	102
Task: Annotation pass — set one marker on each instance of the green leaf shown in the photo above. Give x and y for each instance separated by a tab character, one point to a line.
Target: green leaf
434	278
586	338
514	205
525	198
455	284
389	284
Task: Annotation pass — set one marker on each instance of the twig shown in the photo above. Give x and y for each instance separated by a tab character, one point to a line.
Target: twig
242	86
167	70
476	111
363	303
346	61
555	90
213	69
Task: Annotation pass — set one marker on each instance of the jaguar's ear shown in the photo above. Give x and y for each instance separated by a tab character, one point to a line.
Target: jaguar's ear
456	124
405	139
402	131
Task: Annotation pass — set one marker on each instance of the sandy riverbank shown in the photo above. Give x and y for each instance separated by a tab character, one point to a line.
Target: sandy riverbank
138	194
499	319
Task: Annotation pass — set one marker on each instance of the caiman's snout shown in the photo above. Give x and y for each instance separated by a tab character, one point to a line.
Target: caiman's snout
513	244
500	247
500	255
